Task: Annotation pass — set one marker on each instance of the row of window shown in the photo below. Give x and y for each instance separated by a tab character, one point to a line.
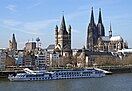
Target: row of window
73	73
40	78
35	75
67	73
98	72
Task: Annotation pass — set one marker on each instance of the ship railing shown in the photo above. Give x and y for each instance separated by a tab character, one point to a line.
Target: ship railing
28	71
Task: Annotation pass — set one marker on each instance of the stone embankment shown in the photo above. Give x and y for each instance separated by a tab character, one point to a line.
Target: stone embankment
4	74
119	70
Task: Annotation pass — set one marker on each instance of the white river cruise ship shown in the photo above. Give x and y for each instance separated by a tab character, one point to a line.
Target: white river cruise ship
30	75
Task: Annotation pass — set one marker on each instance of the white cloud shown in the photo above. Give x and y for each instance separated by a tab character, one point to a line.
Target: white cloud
11	23
33	28
34	5
75	31
11	7
76	14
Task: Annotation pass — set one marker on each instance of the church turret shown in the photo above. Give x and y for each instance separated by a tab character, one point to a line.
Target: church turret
83	57
100	26
92	34
83	49
110	31
69	33
69	29
13	43
13	39
56	35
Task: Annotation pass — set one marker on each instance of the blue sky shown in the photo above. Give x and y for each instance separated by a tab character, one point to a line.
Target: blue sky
30	19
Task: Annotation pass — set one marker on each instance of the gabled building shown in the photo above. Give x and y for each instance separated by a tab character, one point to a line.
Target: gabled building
28	58
42	59
19	58
51	48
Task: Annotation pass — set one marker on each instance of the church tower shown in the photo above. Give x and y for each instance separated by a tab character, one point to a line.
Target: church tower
92	34
63	39
13	43
110	31
100	26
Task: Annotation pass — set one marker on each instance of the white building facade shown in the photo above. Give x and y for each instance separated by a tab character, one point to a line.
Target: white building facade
2	59
54	59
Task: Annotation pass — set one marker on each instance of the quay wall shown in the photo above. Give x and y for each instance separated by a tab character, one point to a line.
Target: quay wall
119	70
4	74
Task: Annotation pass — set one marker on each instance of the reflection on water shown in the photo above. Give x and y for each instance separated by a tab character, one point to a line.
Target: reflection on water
118	82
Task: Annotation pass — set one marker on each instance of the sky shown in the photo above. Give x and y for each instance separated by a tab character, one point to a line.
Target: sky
29	19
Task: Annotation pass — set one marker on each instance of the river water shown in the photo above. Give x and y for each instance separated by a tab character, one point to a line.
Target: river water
115	82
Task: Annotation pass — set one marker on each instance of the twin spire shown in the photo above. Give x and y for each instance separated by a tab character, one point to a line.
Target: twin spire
92	17
100	27
100	17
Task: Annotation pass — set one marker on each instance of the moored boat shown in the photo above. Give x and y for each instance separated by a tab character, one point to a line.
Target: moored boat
30	75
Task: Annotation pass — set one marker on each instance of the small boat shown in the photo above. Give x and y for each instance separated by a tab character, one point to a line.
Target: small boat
30	75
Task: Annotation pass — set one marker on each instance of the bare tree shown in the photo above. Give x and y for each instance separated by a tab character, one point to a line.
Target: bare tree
106	61
128	60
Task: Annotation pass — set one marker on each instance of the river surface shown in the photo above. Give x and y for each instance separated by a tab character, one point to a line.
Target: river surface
115	82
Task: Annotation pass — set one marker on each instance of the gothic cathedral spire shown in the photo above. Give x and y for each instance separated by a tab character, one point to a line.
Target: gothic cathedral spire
92	34
100	26
100	17
92	17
